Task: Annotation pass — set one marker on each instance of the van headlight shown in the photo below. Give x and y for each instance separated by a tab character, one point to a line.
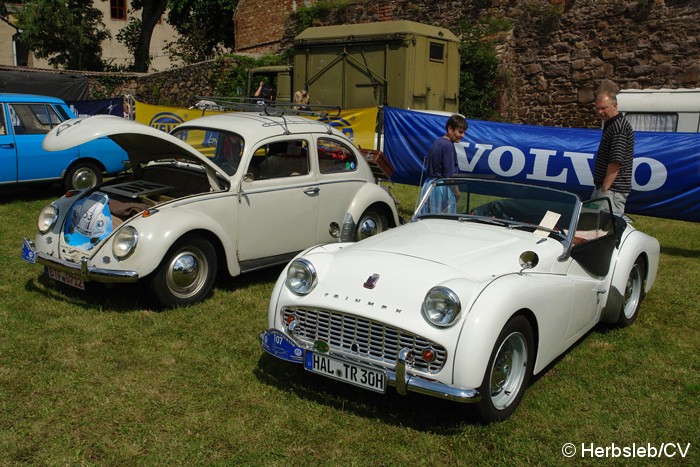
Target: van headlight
301	277
47	218
124	242
441	307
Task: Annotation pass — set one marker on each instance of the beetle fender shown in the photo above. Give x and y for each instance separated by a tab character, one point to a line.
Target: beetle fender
154	243
528	294
370	194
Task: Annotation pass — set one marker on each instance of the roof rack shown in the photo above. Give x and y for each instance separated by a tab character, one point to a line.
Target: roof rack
267	107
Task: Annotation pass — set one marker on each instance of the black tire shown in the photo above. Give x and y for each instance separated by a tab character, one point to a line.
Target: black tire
82	175
187	273
508	372
634	294
371	223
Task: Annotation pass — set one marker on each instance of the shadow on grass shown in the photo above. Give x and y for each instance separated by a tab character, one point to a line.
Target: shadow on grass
30	193
420	412
118	298
671	251
122	298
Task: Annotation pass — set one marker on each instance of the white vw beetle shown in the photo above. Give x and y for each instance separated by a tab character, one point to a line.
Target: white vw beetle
466	301
236	191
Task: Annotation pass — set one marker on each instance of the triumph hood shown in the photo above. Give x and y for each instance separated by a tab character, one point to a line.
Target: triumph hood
143	143
393	271
475	250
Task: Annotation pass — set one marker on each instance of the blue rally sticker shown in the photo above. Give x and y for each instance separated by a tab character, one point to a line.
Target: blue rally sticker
28	252
277	344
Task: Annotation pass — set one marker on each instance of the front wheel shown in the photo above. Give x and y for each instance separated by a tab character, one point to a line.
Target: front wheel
508	371
187	273
82	175
634	293
371	223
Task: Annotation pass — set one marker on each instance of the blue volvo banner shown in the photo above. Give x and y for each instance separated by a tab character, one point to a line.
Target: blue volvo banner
666	181
114	106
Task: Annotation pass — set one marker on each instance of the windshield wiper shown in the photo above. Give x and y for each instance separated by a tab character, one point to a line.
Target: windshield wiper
484	220
520	225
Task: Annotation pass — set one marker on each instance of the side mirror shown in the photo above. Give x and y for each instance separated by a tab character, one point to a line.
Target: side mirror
528	260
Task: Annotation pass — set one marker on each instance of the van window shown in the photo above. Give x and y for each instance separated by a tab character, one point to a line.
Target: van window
664	122
437	52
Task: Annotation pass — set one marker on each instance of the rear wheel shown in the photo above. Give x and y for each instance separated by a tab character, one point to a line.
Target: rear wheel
371	223
187	273
82	175
508	372
634	293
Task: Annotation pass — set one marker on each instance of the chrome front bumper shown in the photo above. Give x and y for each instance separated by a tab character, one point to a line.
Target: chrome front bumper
286	348
107	276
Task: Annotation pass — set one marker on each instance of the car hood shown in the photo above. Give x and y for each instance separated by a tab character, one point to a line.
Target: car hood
142	143
391	273
476	251
426	253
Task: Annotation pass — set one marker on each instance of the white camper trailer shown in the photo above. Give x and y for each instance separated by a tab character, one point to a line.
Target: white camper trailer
665	110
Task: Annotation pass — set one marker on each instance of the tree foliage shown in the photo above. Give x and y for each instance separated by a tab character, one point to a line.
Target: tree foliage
480	74
205	28
151	12
68	33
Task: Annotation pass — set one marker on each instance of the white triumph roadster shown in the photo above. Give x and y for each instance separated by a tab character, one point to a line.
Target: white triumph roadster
231	192
468	300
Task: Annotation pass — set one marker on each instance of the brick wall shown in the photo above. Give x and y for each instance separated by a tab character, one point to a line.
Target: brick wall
259	26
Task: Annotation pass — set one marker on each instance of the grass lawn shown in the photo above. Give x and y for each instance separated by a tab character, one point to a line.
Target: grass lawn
99	378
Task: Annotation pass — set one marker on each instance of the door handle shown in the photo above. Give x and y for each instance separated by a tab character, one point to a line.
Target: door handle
8	145
312	191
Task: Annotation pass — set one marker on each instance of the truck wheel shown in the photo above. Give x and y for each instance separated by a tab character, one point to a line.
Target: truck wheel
186	274
82	175
371	223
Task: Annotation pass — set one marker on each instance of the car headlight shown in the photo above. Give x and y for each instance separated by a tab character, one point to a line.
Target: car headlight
441	307
301	277
47	218
124	242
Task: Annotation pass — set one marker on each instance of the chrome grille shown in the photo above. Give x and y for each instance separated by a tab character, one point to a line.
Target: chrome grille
362	337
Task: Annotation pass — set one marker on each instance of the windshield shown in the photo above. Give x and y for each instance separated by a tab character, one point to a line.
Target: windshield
223	148
509	204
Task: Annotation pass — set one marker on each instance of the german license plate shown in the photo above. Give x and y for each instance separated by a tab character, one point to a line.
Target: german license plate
359	375
66	278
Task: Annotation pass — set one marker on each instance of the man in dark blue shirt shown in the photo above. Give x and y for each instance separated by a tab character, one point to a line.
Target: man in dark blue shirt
442	162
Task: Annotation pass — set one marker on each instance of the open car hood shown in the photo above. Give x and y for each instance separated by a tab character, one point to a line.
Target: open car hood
141	142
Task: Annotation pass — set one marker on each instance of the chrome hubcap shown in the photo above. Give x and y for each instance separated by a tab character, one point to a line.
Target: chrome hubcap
633	291
187	273
368	227
508	371
84	178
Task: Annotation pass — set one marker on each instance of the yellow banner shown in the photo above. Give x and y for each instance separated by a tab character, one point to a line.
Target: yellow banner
357	124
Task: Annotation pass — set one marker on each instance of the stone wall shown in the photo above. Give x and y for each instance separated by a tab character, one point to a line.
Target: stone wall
557	55
179	86
562	59
561	51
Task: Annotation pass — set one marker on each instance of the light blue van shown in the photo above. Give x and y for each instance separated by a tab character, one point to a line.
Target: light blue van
24	120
